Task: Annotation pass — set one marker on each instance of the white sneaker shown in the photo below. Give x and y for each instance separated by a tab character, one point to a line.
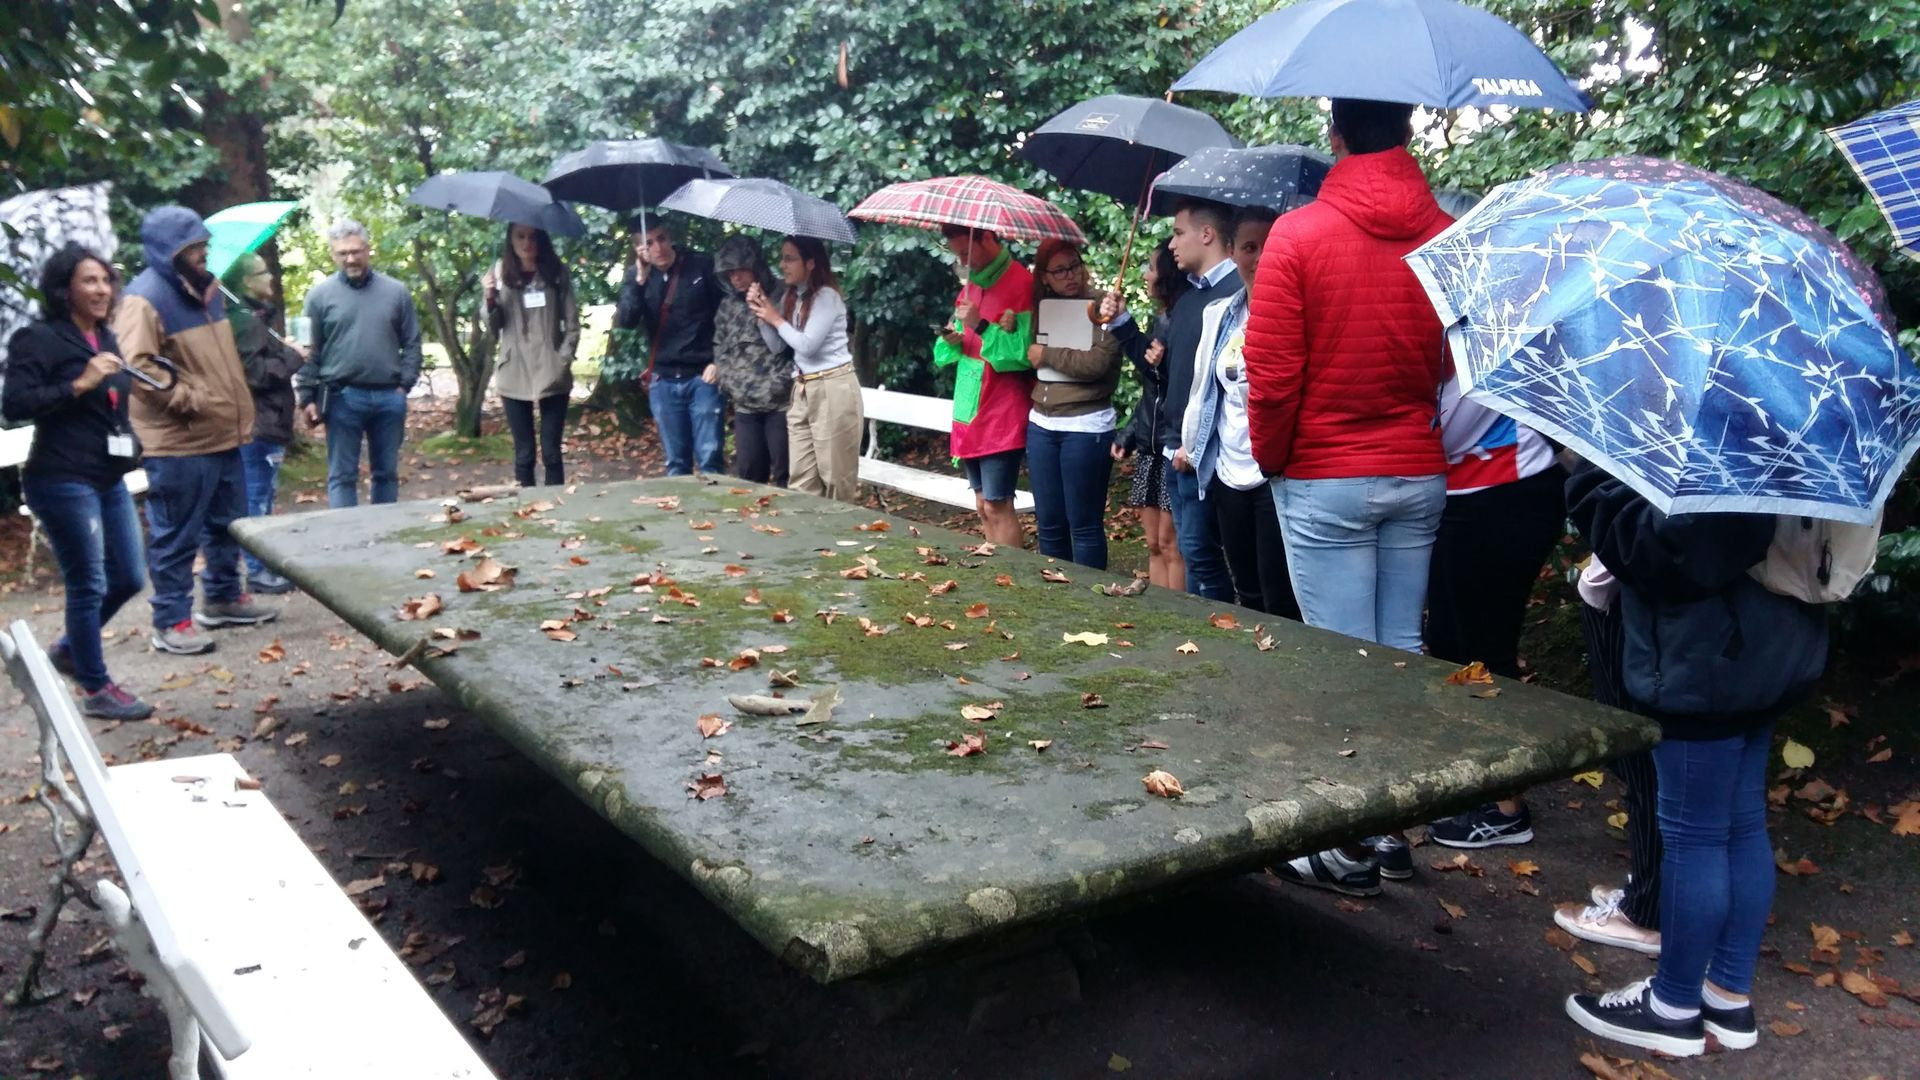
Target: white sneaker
1605	924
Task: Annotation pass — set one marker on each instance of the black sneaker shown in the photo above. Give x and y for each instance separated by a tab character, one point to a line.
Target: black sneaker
1332	871
112	703
268	583
1734	1028
1626	1015
1482	828
61	658
1393	855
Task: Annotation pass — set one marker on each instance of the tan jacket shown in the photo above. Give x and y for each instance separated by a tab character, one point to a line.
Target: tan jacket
1095	374
210	409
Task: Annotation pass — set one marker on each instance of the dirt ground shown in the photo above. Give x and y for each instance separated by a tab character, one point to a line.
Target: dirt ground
622	970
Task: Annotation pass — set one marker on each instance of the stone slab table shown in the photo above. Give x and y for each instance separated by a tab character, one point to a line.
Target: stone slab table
851	837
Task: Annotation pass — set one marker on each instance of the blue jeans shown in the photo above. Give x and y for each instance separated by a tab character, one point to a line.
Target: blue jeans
688	412
1198	531
380	417
96	538
1359	549
190	502
262	462
1716	873
1069	472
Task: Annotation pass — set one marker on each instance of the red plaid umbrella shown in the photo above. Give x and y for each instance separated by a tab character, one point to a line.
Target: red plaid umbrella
973	201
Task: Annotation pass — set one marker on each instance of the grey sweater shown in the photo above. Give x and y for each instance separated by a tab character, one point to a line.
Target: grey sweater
363	335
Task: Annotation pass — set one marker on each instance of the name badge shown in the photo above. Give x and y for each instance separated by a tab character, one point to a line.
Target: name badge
533	298
120	446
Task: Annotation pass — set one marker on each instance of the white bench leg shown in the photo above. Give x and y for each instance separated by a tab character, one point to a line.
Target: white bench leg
130	935
72	833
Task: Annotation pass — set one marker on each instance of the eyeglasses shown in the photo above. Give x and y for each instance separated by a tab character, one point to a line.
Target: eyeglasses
1063	271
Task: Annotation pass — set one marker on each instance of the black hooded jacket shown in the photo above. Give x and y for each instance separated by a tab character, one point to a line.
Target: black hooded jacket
679	330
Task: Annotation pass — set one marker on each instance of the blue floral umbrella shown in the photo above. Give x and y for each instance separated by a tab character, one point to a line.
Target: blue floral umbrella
1698	339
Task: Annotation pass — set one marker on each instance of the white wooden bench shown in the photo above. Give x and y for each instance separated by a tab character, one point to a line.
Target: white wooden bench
238	930
14	444
884	406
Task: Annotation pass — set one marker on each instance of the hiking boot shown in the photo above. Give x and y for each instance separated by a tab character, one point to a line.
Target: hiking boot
1393	855
269	583
183	638
1735	1028
239	611
1482	828
1626	1015
112	703
61	658
1606	924
1332	871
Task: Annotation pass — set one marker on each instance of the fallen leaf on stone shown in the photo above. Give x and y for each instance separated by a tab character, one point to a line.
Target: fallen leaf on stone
1055	576
1225	621
578	560
1085	638
955	646
1864	988
977	611
783	616
1488	693
1909	818
1039	744
967	746
562	634
1580	961
416	607
1116	1063
752	597
1561	940
365	885
943	588
1425	946
1091	701
487	575
783	679
983	548
1152	744
1796	755
1188	649
1903	939
1824	937
976	713
491	1010
266	726
1826	979
273	653
1474	673
711	725
330	761
761	705
1163	783
1522	867
700	526
298	738
706	786
1262	640
1592	779
1617	821
873	526
1786	1029
1351	907
1348	752
1454	911
745	660
1884	755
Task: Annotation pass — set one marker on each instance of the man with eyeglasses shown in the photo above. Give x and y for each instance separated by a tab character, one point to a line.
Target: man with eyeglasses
271	362
673	294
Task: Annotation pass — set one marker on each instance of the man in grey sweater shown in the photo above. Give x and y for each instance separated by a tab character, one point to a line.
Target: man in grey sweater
365	360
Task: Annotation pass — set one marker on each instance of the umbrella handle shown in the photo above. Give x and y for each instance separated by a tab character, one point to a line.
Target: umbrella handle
1133	228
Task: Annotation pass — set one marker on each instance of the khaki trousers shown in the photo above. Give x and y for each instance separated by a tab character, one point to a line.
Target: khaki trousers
823	434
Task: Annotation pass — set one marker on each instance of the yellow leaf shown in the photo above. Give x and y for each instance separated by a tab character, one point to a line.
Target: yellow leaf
1088	638
1592	779
1796	756
1618	821
1188	649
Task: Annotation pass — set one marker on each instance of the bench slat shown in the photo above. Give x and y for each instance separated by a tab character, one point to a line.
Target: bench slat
907	410
935	487
325	996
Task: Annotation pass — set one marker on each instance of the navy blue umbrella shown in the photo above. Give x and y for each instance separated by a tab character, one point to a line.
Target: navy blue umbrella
498	196
1280	177
1420	52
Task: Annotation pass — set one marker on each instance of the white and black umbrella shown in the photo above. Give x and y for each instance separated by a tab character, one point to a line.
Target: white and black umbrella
1279	177
762	204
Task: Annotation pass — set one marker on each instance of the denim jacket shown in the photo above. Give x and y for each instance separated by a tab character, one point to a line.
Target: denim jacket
1204	396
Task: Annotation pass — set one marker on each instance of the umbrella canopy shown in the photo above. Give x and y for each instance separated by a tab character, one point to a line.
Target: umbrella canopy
1700	340
498	196
762	204
240	230
1116	144
38	224
630	174
1420	52
1885	150
1281	176
973	202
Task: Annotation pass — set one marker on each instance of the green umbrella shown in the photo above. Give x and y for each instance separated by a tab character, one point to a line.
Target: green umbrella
238	230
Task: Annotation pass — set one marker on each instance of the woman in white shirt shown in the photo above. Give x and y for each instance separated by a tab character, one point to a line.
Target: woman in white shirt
824	418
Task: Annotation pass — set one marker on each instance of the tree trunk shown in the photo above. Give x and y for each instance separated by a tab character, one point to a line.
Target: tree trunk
473	369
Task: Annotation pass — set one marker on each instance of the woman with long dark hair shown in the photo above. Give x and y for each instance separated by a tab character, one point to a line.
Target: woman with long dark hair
824	418
535	322
1148	493
64	373
1070	425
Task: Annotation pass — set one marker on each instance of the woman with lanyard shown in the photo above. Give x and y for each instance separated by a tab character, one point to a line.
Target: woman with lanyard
65	374
1070	425
824	417
532	315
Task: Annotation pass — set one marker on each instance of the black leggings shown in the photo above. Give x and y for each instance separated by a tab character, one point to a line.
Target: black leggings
760	447
1256	553
1486	559
553	419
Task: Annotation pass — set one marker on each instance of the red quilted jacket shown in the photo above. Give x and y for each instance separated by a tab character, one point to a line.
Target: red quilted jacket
1344	352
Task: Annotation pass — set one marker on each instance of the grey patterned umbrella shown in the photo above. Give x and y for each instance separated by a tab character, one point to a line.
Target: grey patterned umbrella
762	204
1279	177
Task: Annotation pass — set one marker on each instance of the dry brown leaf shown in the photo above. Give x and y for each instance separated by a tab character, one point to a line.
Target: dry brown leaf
967	746
1187	649
1475	673
1864	988
1884	755
487	575
1584	964
1091	701
330	761
578	560
1560	939
1454	911
273	653
1908	823
1786	1029
783	616
706	786
1003	580
943	588
752	599
416	607
1163	783
700	526
977	713
1824	937
1039	744
873	526
711	725
1523	867
1225	621
562	634
745	660
1055	576
365	885
1903	939
977	611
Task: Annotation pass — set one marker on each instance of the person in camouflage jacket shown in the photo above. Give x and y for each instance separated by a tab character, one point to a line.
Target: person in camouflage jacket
758	379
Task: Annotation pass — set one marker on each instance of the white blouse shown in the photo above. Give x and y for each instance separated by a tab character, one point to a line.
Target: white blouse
822	344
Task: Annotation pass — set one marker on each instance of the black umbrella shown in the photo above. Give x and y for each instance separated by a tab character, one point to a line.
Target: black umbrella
630	174
1116	144
498	196
1279	177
